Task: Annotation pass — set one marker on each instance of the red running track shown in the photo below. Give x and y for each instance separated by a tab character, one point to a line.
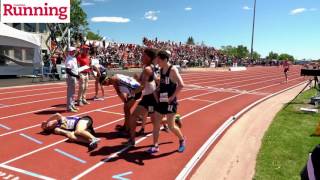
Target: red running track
207	102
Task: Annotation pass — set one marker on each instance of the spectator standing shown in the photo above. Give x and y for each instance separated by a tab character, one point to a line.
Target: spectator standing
83	60
72	76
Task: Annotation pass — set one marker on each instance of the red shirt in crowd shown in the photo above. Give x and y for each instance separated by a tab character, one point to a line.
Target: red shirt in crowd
84	60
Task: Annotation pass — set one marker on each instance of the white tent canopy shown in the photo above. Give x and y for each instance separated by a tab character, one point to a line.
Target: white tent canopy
12	37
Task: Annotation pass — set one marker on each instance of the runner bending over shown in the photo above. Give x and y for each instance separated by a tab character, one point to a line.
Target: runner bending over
127	89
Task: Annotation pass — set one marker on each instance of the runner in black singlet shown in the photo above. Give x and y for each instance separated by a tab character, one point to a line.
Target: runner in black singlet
170	86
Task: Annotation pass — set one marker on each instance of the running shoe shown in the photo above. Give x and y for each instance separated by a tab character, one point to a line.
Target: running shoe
153	149
72	110
182	145
94	143
85	102
75	108
130	143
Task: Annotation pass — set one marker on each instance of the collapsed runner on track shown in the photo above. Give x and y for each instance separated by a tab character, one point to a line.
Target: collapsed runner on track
78	129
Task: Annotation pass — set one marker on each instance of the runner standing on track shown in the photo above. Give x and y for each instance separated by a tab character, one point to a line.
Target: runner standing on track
127	89
171	84
97	70
286	68
148	87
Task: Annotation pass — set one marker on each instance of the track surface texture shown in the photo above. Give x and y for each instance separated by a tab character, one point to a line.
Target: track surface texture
207	104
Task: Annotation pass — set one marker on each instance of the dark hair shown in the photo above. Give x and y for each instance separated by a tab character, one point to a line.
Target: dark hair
102	78
87	118
150	52
163	55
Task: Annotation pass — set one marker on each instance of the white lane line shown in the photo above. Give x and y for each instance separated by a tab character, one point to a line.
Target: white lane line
31	138
5	127
70	156
109	112
29	173
203	100
53	144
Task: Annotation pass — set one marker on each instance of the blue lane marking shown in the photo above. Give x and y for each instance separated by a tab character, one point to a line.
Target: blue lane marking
31	138
70	156
120	176
5	127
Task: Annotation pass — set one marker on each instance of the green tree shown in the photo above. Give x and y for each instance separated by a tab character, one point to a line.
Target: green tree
256	55
94	36
229	51
190	41
286	57
242	52
78	17
273	55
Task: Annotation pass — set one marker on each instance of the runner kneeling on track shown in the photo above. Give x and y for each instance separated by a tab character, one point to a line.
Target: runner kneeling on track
128	89
171	84
78	129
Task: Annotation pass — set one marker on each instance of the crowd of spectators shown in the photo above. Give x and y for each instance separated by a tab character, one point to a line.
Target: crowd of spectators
129	55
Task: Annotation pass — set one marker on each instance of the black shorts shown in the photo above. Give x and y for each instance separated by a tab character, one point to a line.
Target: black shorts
135	97
148	102
286	70
166	108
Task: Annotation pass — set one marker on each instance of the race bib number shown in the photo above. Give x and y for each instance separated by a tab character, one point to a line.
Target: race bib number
71	124
150	109
164	97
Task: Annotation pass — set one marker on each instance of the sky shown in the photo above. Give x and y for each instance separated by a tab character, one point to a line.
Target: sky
282	26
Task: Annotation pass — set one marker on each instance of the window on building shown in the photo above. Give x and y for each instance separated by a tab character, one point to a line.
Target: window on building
43	28
29	54
30	27
16	26
18	53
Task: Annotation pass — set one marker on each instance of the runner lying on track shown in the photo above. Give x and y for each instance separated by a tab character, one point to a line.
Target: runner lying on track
129	91
77	129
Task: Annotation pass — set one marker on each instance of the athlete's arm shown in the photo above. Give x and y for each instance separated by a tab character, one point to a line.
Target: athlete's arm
176	77
68	70
121	95
147	72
